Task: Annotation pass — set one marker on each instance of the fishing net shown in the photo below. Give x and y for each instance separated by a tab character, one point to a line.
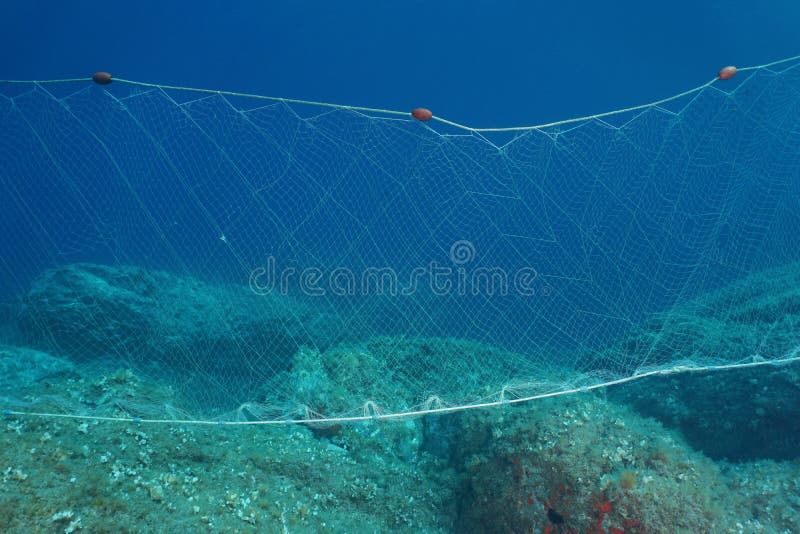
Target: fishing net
266	259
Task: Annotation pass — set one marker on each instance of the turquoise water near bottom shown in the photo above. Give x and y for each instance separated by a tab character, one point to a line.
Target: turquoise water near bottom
692	452
644	378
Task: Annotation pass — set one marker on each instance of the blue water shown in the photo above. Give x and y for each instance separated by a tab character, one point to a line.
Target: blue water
132	217
476	62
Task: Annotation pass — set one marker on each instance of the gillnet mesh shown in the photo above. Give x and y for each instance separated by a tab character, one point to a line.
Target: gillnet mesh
265	260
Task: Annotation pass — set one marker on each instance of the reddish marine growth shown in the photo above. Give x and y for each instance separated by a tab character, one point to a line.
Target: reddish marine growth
102	78
726	73
422	114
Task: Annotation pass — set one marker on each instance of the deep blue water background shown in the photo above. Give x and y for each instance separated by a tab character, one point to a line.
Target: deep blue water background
483	63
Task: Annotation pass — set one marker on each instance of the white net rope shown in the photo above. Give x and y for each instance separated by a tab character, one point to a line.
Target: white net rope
269	260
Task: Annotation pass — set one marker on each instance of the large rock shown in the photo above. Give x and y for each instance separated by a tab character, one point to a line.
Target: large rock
755	317
221	339
398	374
743	414
22	367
